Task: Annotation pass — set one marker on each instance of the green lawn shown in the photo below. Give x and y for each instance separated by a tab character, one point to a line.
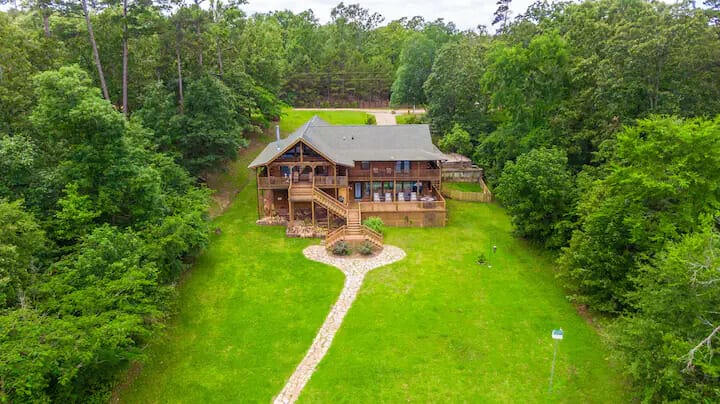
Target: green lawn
438	327
408	118
293	119
247	312
463	186
434	327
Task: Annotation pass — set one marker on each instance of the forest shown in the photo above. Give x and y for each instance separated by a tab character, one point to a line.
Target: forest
596	124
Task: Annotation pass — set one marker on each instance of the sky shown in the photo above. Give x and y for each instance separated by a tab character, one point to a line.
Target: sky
466	14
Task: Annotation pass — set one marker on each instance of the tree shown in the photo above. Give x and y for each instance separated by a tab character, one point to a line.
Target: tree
453	90
502	14
538	192
416	62
669	342
207	134
659	186
96	54
21	243
457	140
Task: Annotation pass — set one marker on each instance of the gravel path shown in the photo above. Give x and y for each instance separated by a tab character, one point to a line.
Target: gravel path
354	270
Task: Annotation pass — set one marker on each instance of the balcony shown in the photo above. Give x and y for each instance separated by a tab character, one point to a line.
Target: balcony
321	181
389	174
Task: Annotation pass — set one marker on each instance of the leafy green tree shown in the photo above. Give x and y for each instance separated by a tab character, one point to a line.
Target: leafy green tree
669	342
661	183
207	134
538	192
457	140
453	90
415	64
18	156
21	243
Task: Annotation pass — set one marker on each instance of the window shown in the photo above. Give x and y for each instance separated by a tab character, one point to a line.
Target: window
365	165
402	165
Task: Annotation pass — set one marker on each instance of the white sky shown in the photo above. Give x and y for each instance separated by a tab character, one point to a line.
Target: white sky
466	14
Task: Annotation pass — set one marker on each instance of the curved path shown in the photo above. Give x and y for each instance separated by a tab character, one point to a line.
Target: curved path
354	270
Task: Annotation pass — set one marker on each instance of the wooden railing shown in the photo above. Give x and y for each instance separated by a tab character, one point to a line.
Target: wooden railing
385	174
274	181
339	181
373	236
329	202
321	180
335	236
410	206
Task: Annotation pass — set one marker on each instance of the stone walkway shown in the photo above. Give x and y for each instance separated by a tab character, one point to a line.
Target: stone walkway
354	270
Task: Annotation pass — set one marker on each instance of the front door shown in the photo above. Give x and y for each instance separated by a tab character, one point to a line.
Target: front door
358	190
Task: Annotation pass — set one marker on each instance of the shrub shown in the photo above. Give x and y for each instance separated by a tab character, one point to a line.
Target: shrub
366	248
374	223
341	248
371	120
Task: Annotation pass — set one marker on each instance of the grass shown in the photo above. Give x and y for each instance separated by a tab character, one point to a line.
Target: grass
439	327
435	327
293	119
247	312
408	118
463	186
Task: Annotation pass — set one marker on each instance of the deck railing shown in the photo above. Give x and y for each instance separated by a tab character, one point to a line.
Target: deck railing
340	181
329	202
402	206
373	236
335	236
320	180
389	174
274	181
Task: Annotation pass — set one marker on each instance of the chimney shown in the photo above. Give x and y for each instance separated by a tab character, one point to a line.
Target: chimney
277	135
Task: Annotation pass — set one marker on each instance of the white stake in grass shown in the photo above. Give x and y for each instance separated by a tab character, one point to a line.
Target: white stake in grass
557	335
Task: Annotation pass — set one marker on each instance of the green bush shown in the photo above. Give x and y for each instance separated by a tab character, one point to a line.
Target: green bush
371	120
374	223
341	248
366	248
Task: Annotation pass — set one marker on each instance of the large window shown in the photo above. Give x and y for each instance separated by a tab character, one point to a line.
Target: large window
365	165
402	166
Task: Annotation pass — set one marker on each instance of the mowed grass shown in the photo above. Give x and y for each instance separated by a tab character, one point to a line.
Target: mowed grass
247	312
435	327
293	119
439	327
407	118
463	186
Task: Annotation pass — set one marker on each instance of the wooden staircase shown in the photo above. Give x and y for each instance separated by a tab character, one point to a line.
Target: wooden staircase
354	231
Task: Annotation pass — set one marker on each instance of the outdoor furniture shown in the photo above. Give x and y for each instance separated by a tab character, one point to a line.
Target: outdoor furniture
376	197
388	197
388	172
413	196
400	197
375	171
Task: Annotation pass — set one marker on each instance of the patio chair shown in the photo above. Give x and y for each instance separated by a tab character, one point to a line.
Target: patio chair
376	171
388	172
376	197
388	196
413	196
401	197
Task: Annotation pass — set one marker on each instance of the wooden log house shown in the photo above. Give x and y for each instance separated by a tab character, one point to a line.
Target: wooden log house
338	175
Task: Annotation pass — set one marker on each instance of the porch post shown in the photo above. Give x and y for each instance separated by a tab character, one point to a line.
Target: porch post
290	209
312	207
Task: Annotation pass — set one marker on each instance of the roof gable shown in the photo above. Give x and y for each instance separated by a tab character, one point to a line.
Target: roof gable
346	144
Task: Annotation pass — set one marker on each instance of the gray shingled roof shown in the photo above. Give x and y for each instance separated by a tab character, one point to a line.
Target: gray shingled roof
346	144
